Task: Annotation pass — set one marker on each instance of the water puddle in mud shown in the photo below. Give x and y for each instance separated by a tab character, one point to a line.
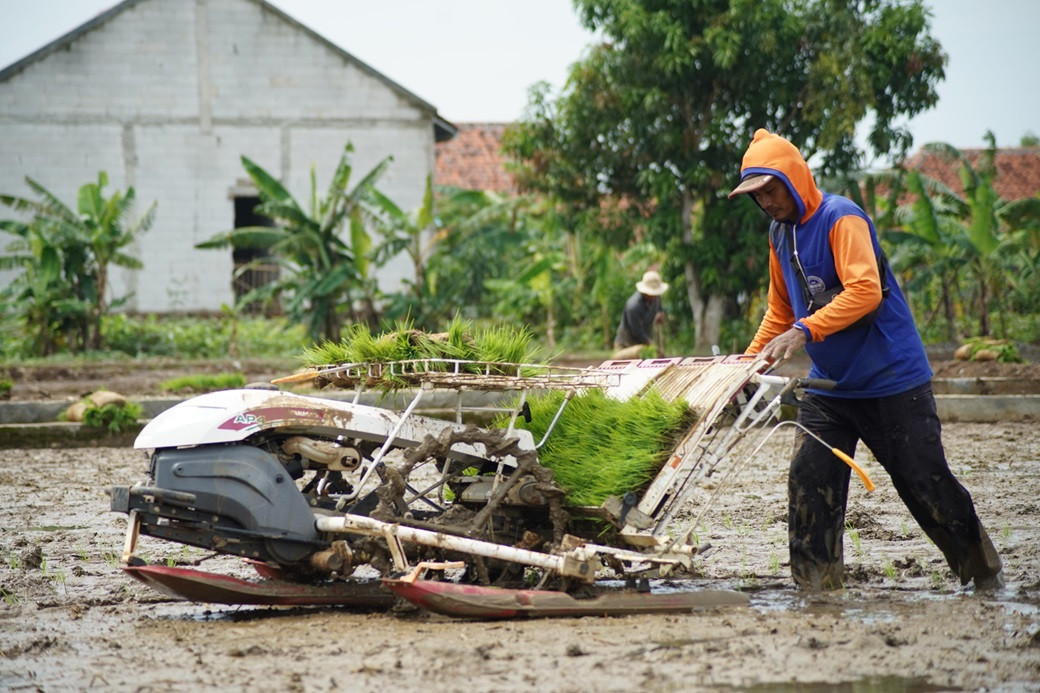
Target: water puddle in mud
873	684
43	528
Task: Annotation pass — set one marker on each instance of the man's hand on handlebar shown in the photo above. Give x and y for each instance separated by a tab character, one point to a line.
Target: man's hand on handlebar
784	345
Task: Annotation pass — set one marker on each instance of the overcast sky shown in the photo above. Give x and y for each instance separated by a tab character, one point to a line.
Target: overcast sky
475	60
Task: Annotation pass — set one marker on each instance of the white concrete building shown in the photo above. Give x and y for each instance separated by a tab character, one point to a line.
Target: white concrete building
167	95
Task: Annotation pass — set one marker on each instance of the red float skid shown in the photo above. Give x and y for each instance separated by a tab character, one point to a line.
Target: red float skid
447	598
474	601
200	586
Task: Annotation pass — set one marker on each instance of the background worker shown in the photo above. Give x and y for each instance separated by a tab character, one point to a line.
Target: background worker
642	312
823	244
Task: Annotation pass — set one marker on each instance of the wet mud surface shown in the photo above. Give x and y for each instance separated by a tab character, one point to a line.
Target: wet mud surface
69	618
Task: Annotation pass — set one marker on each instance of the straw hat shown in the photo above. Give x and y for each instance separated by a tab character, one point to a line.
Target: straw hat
651	284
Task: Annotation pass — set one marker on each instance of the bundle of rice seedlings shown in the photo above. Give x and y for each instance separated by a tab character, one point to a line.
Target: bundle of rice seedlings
507	345
453	343
602	447
404	343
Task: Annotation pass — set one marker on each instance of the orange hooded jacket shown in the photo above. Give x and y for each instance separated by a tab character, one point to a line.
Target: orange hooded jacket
849	237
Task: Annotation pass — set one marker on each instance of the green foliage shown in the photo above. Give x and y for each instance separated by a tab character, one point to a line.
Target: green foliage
969	252
5	387
203	382
64	256
202	337
324	248
113	416
602	447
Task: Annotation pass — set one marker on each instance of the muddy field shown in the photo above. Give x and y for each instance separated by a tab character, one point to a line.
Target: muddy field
69	619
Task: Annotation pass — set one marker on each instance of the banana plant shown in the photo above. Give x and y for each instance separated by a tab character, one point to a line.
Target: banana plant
945	233
324	248
82	243
416	234
981	223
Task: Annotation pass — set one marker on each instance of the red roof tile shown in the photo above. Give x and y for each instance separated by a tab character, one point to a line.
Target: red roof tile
1018	170
472	160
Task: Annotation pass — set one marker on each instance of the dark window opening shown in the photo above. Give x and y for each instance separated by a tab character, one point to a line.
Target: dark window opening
264	271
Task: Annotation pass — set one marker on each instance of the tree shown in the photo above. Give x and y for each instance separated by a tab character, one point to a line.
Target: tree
66	254
660	112
324	273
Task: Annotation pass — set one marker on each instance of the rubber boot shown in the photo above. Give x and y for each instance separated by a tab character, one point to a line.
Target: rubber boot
817	577
983	565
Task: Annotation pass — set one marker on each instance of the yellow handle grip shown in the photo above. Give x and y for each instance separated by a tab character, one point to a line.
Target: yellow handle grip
855	467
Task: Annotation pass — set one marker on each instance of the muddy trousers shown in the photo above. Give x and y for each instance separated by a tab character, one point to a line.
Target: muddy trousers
904	433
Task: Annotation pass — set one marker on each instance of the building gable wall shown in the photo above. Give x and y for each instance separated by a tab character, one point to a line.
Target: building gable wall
167	95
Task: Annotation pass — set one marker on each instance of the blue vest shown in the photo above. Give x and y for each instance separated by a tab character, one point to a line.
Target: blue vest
885	358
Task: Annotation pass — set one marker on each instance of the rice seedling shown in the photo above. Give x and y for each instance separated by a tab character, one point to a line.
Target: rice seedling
602	447
110	557
854	536
774	564
745	571
459	343
60	578
1006	532
505	345
890	570
9	597
454	343
325	353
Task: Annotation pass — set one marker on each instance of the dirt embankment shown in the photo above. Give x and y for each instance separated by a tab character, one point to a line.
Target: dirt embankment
133	379
69	619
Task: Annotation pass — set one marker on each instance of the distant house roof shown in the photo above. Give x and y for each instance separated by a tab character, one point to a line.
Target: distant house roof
1018	170
443	130
473	159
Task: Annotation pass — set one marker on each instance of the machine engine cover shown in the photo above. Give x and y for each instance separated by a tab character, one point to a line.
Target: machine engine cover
246	485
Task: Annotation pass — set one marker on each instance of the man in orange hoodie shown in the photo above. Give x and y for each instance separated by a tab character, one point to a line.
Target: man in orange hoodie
832	293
